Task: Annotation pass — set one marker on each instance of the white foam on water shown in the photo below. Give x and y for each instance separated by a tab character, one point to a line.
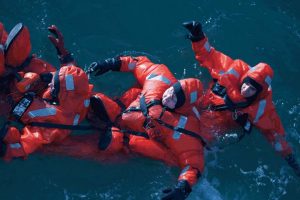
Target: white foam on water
263	180
205	190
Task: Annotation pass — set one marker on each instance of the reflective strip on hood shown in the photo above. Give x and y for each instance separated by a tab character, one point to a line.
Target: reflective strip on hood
207	46
233	72
69	82
158	78
195	110
260	110
86	103
181	124
76	119
193	97
131	65
44	112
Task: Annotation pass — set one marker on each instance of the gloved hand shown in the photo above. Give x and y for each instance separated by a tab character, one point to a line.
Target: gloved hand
180	192
291	160
98	68
195	28
243	121
58	41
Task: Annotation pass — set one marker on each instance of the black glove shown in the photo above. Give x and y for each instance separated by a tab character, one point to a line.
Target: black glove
179	192
98	68
195	28
291	160
244	122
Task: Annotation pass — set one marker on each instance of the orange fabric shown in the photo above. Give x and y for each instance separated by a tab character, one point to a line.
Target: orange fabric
72	108
193	91
39	66
155	79
18	46
230	74
29	81
13	148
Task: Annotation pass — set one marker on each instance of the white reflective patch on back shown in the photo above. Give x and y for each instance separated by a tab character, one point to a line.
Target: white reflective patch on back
260	110
158	78
69	82
76	120
86	103
181	124
44	112
193	97
131	65
207	46
196	112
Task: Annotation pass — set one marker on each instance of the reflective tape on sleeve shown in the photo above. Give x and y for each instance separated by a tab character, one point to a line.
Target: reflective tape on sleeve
76	119
86	103
181	124
131	65
207	46
260	110
233	72
196	112
158	78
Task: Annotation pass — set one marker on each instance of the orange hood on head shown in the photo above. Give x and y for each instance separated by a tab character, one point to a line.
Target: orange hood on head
187	91
71	85
17	46
262	74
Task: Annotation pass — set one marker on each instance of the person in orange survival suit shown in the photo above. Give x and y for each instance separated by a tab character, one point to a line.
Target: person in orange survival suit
146	114
240	95
113	141
65	102
17	61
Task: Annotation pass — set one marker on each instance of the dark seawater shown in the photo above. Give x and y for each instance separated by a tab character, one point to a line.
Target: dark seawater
254	31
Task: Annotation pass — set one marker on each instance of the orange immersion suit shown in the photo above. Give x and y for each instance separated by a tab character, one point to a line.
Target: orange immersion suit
223	104
65	102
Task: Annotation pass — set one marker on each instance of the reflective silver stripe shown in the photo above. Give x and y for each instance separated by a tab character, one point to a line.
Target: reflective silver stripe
158	78
44	112
252	69
249	67
268	80
232	71
86	103
181	124
221	72
193	97
207	46
195	110
15	146
69	82
260	110
76	119
131	65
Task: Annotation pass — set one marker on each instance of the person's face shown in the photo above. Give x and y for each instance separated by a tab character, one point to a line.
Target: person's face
247	90
169	98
